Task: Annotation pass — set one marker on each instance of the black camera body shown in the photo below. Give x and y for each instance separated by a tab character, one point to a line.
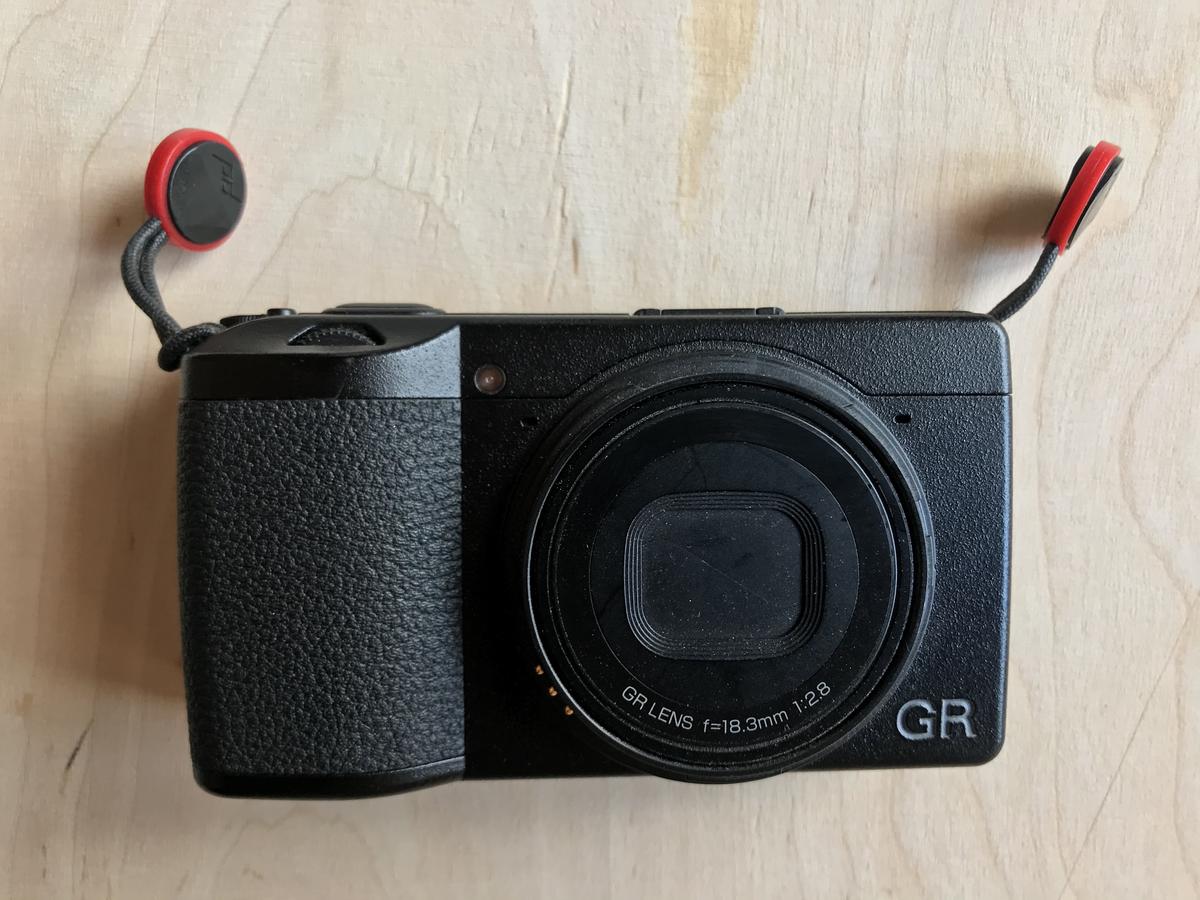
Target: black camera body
711	545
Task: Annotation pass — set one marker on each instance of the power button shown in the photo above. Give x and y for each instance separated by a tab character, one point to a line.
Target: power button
730	311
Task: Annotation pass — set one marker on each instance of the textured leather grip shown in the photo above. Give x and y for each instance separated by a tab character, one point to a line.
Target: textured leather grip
320	580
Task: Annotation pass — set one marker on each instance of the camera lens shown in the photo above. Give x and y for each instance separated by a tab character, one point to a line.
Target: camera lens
725	563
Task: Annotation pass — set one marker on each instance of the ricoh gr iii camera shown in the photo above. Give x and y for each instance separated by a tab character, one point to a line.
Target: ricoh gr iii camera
710	545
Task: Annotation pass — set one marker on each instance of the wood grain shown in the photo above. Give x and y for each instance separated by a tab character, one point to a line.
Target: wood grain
549	155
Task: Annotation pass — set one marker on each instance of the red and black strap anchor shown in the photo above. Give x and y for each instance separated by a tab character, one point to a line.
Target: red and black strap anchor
195	191
1086	189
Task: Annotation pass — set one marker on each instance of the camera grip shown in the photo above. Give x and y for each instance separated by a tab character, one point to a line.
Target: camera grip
320	558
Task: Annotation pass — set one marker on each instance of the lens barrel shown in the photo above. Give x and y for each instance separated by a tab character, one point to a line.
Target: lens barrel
725	563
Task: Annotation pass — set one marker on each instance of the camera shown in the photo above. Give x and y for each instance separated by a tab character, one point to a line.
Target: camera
710	545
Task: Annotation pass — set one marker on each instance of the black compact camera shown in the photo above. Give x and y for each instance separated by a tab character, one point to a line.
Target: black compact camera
710	545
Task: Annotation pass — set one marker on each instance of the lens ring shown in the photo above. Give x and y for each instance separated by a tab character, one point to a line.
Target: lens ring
642	724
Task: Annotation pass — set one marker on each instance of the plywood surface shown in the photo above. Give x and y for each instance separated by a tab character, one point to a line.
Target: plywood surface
556	155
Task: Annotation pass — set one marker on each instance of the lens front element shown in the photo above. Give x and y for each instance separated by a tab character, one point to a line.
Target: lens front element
723	575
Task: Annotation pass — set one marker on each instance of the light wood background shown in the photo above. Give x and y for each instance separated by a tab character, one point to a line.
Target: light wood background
558	155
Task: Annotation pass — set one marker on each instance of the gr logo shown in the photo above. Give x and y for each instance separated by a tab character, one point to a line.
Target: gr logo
917	720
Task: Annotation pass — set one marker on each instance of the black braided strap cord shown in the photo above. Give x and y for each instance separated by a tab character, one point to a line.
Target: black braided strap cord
1027	288
184	341
137	271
